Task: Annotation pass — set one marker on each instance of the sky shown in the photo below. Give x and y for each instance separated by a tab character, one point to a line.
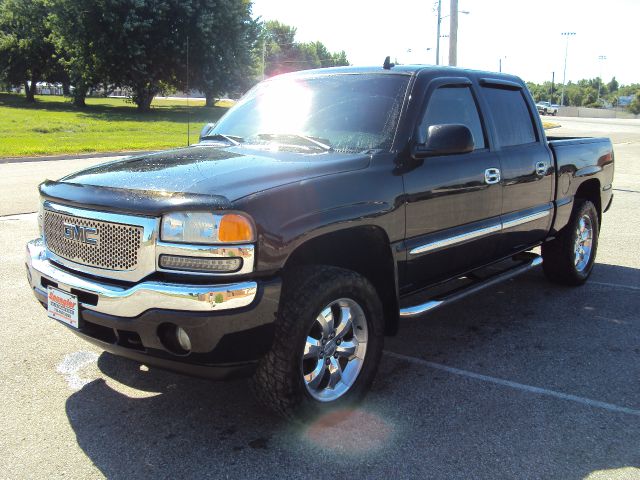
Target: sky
526	34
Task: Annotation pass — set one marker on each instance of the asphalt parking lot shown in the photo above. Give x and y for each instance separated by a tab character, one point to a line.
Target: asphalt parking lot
523	380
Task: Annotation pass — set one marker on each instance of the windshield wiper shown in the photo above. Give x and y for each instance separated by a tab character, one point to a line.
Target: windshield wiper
231	139
316	143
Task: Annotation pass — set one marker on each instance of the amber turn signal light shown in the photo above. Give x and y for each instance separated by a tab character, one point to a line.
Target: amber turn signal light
235	228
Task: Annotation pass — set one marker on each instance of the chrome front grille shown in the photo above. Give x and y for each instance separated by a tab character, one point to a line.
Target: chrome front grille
115	246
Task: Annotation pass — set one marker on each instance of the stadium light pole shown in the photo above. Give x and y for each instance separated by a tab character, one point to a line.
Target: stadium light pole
438	32
601	59
564	76
411	50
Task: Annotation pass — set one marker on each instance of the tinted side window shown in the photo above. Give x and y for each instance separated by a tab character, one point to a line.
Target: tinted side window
511	116
453	105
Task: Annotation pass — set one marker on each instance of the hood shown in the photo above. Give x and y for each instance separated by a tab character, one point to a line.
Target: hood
232	172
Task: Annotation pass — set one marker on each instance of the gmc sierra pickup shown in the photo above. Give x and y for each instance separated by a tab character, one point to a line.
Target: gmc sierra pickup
319	212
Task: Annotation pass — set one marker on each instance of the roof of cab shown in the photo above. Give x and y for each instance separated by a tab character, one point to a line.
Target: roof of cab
407	70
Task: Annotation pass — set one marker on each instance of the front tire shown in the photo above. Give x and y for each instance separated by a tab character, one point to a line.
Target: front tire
569	258
327	346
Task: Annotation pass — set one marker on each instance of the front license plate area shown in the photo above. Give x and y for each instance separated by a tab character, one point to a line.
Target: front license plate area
62	306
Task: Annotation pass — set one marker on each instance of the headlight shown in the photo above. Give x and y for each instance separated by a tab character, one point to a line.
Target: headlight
205	227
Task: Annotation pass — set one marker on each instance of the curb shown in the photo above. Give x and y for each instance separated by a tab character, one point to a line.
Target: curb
72	156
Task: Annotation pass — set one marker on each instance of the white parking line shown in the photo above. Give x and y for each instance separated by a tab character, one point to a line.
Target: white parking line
518	386
615	285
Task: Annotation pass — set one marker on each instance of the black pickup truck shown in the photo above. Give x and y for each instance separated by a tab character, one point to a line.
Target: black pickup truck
323	209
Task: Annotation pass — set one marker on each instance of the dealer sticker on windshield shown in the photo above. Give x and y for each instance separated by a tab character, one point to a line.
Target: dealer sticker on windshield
62	306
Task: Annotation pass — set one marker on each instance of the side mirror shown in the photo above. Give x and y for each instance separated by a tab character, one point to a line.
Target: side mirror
206	129
446	139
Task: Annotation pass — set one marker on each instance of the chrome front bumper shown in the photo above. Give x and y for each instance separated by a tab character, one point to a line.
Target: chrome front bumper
132	301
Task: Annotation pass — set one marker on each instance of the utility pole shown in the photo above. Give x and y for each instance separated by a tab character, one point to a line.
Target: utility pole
438	33
553	81
564	76
453	34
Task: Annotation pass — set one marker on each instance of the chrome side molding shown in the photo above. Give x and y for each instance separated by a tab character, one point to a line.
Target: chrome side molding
464	237
481	232
526	219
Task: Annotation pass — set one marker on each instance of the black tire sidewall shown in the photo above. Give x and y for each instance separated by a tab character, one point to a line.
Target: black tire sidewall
587	208
278	382
559	255
368	301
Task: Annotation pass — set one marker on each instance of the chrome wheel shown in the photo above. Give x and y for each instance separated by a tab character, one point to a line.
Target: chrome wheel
334	350
583	243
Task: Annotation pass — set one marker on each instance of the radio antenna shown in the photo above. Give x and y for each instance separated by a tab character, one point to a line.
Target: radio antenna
188	110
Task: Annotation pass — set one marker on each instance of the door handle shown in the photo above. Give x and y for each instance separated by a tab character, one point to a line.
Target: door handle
492	175
541	168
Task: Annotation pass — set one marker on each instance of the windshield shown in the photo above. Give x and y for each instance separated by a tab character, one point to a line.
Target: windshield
345	113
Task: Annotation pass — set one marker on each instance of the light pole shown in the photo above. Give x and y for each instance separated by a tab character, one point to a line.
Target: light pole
601	59
438	33
564	76
500	62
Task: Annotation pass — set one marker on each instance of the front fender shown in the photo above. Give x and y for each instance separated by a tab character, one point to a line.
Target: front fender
289	216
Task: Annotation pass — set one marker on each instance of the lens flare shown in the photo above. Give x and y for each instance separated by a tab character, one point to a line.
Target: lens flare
284	107
352	431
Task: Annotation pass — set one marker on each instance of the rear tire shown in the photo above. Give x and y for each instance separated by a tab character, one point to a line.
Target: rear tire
327	346
569	258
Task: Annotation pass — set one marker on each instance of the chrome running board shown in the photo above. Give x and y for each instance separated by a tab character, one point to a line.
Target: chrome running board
434	303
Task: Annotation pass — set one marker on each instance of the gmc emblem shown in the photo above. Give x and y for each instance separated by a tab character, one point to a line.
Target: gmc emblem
78	233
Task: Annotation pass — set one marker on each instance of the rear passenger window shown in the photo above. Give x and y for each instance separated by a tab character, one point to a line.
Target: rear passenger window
453	105
511	116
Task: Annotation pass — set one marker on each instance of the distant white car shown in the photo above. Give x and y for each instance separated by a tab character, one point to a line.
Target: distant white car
546	108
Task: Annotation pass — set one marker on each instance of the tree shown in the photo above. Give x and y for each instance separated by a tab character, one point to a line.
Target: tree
280	49
634	106
584	93
142	45
77	32
283	54
222	39
129	43
145	47
27	55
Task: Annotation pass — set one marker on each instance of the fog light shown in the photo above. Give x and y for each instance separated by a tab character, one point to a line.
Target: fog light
183	339
200	264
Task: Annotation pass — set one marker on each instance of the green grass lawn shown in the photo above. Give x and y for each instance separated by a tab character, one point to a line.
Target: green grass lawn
54	126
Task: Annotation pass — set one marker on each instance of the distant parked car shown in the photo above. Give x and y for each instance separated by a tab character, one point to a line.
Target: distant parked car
546	108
